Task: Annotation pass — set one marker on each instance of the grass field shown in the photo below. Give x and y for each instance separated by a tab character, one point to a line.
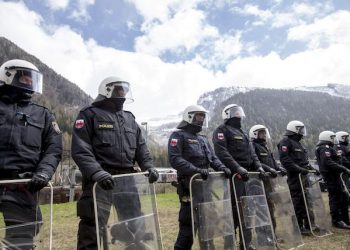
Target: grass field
65	225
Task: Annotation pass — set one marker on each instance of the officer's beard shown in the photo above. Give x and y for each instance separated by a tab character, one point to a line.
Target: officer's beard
234	122
192	129
15	94
112	104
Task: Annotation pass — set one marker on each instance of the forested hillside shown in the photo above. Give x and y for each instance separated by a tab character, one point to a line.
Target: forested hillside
275	108
61	96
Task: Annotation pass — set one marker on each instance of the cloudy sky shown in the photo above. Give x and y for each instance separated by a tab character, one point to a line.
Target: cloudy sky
172	51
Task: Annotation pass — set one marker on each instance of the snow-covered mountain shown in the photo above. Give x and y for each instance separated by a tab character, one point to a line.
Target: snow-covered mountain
333	89
209	100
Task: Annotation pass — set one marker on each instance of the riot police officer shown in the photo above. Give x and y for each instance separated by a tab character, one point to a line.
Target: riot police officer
107	141
30	146
294	159
330	167
235	150
343	149
190	153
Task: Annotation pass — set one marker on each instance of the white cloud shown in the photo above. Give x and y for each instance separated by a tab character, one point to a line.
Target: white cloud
166	88
186	29
81	12
57	4
331	29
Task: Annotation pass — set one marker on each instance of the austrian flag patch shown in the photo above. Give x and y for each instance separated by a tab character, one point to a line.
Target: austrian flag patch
173	142
327	153
221	136
79	123
284	149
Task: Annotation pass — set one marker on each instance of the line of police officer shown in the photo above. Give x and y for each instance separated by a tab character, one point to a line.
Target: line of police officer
107	141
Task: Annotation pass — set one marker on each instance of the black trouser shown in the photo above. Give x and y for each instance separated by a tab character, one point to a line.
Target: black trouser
125	199
21	215
338	199
296	193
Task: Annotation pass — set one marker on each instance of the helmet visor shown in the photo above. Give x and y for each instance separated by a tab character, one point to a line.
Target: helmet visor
236	111
199	119
334	140
263	134
27	79
301	130
121	90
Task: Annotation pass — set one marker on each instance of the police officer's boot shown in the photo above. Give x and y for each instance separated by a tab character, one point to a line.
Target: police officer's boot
341	224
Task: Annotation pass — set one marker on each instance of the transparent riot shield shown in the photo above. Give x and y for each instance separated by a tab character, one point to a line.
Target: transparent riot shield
319	220
211	210
345	179
253	213
126	217
283	216
26	221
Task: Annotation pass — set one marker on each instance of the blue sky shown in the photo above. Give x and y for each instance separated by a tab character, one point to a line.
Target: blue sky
173	51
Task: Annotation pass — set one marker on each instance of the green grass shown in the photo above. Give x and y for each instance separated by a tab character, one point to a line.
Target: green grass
65	226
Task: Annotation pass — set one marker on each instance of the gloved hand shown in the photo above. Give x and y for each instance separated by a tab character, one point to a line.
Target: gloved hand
243	173
153	175
104	179
227	173
38	182
273	173
283	171
304	171
204	173
317	172
262	173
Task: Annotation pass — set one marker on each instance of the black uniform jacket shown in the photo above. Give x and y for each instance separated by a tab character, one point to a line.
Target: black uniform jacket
105	140
188	153
234	149
265	155
293	155
30	140
328	160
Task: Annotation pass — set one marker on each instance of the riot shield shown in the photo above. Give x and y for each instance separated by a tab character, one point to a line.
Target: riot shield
211	210
26	221
319	220
253	213
283	216
126	217
346	183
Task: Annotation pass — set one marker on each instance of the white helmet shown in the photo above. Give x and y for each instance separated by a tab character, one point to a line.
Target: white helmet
114	87
232	110
296	127
328	136
342	136
21	74
189	115
254	132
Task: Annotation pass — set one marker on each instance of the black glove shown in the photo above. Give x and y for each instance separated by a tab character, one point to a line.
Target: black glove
273	173
262	173
304	171
153	175
227	173
283	171
243	173
204	173
104	179
38	182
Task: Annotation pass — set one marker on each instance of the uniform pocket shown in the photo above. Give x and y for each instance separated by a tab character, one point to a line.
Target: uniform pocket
106	134
31	134
130	137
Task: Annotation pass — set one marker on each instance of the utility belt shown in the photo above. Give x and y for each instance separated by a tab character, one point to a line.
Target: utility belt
130	170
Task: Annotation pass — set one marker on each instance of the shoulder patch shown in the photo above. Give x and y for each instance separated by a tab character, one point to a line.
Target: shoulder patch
327	154
220	136
79	123
56	127
173	142
284	148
